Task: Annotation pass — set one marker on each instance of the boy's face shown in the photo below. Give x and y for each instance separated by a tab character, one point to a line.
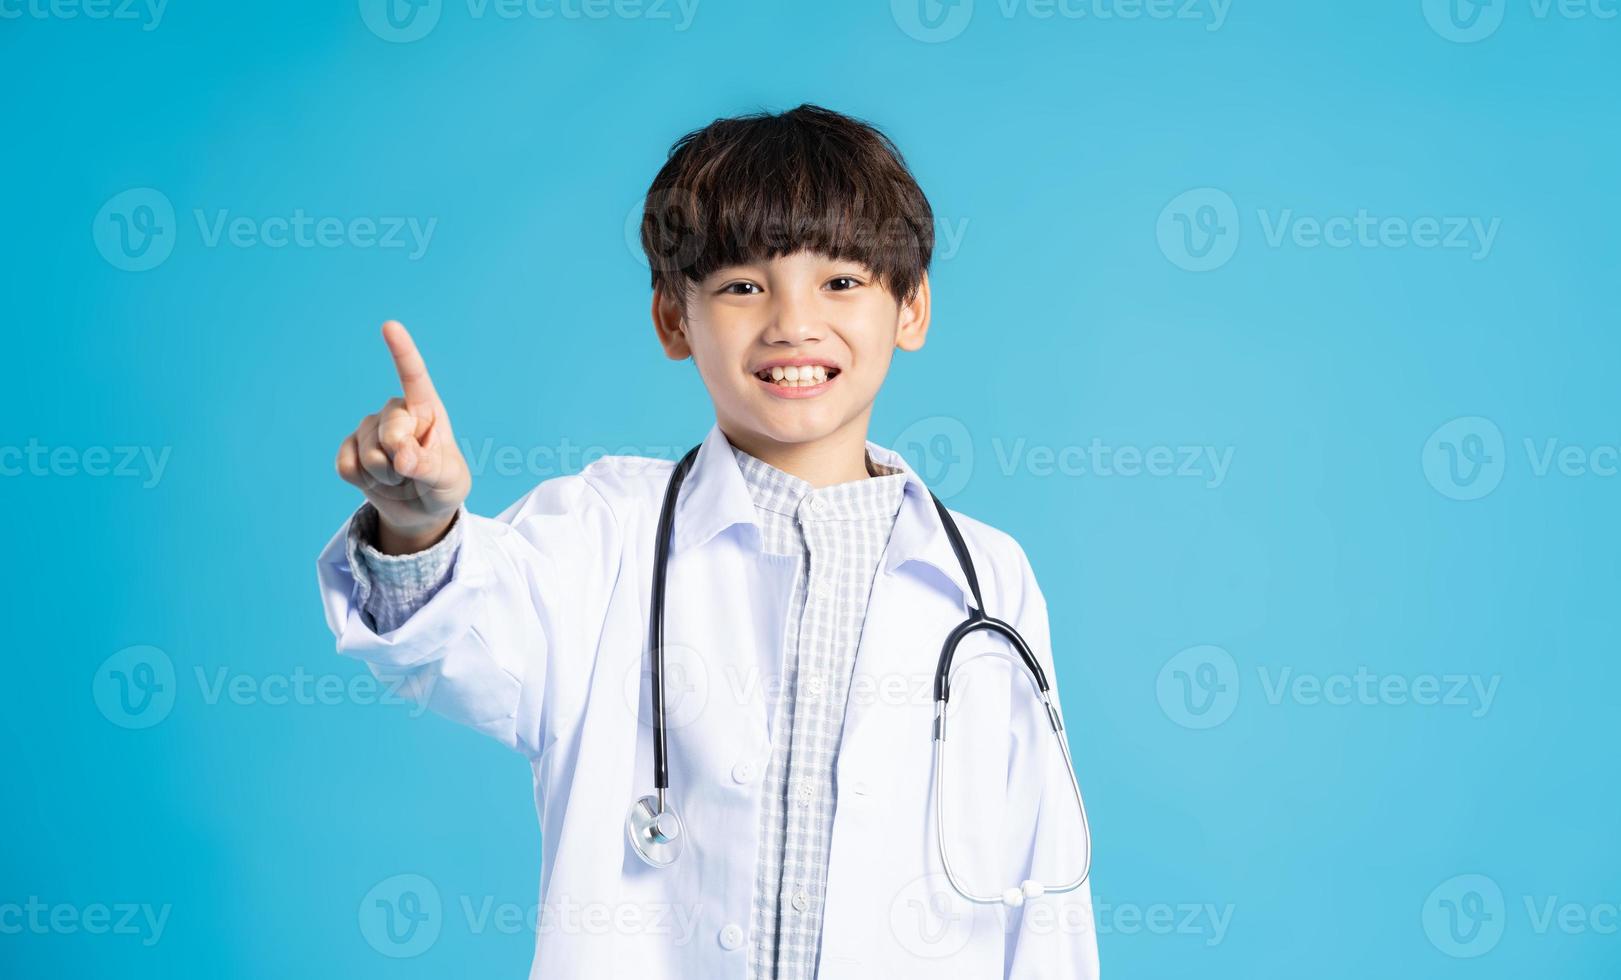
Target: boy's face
803	309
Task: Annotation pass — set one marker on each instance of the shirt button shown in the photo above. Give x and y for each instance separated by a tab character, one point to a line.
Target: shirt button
818	505
801	900
803	798
814	687
823	590
731	935
743	772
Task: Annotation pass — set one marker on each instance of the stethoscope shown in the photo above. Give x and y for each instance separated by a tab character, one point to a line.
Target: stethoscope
656	832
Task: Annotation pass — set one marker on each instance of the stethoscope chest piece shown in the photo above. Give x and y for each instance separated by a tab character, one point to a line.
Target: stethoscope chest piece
657	837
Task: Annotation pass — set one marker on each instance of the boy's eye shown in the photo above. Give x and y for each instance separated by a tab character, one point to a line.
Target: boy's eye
736	288
852	282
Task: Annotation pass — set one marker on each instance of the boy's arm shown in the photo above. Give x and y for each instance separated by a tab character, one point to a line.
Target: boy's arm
522	606
482	613
1053	936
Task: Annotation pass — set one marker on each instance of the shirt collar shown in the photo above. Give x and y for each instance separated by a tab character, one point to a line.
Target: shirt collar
877	497
715	496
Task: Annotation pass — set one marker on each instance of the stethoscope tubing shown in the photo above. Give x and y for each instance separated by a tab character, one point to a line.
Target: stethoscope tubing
661	557
654	810
1029	889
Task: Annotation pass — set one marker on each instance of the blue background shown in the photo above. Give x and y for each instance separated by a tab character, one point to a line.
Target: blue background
1332	836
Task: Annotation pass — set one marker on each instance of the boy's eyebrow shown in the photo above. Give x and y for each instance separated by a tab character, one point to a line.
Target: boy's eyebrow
732	270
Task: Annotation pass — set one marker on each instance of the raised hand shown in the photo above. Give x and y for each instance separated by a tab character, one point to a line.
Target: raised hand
404	457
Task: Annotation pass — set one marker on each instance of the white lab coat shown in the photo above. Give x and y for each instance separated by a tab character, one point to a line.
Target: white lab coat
539	640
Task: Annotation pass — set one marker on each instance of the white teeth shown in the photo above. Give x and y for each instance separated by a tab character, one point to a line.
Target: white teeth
793	376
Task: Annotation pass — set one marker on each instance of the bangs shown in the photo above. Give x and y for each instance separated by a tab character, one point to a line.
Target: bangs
756	187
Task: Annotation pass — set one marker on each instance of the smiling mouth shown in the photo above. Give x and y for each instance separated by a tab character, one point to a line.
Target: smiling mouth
808	376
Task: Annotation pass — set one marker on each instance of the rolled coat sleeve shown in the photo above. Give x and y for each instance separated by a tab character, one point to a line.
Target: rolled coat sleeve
525	596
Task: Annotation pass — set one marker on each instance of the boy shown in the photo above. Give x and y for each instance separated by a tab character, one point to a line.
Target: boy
812	586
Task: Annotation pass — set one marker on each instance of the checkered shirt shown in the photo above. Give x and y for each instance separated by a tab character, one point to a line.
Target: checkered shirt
837	534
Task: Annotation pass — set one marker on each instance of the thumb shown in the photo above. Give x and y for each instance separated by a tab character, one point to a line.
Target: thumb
432	458
407	460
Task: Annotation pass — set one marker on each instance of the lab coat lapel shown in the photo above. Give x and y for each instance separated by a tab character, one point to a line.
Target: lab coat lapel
919	594
728	599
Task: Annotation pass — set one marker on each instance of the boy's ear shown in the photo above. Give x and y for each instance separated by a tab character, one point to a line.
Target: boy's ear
669	321
913	323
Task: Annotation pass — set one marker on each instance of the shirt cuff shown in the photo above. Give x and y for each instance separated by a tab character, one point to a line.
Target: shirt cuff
389	589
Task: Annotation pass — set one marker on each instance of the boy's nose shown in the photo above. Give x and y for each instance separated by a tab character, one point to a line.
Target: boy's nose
794	321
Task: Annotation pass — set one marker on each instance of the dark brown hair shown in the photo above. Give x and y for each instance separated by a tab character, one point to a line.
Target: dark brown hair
757	186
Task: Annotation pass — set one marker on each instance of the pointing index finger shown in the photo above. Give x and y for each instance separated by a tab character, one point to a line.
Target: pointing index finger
408	364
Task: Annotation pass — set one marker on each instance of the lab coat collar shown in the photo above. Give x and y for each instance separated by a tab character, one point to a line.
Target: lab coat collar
715	496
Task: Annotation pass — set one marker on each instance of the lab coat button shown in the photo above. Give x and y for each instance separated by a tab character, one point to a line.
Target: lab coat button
743	772
731	936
